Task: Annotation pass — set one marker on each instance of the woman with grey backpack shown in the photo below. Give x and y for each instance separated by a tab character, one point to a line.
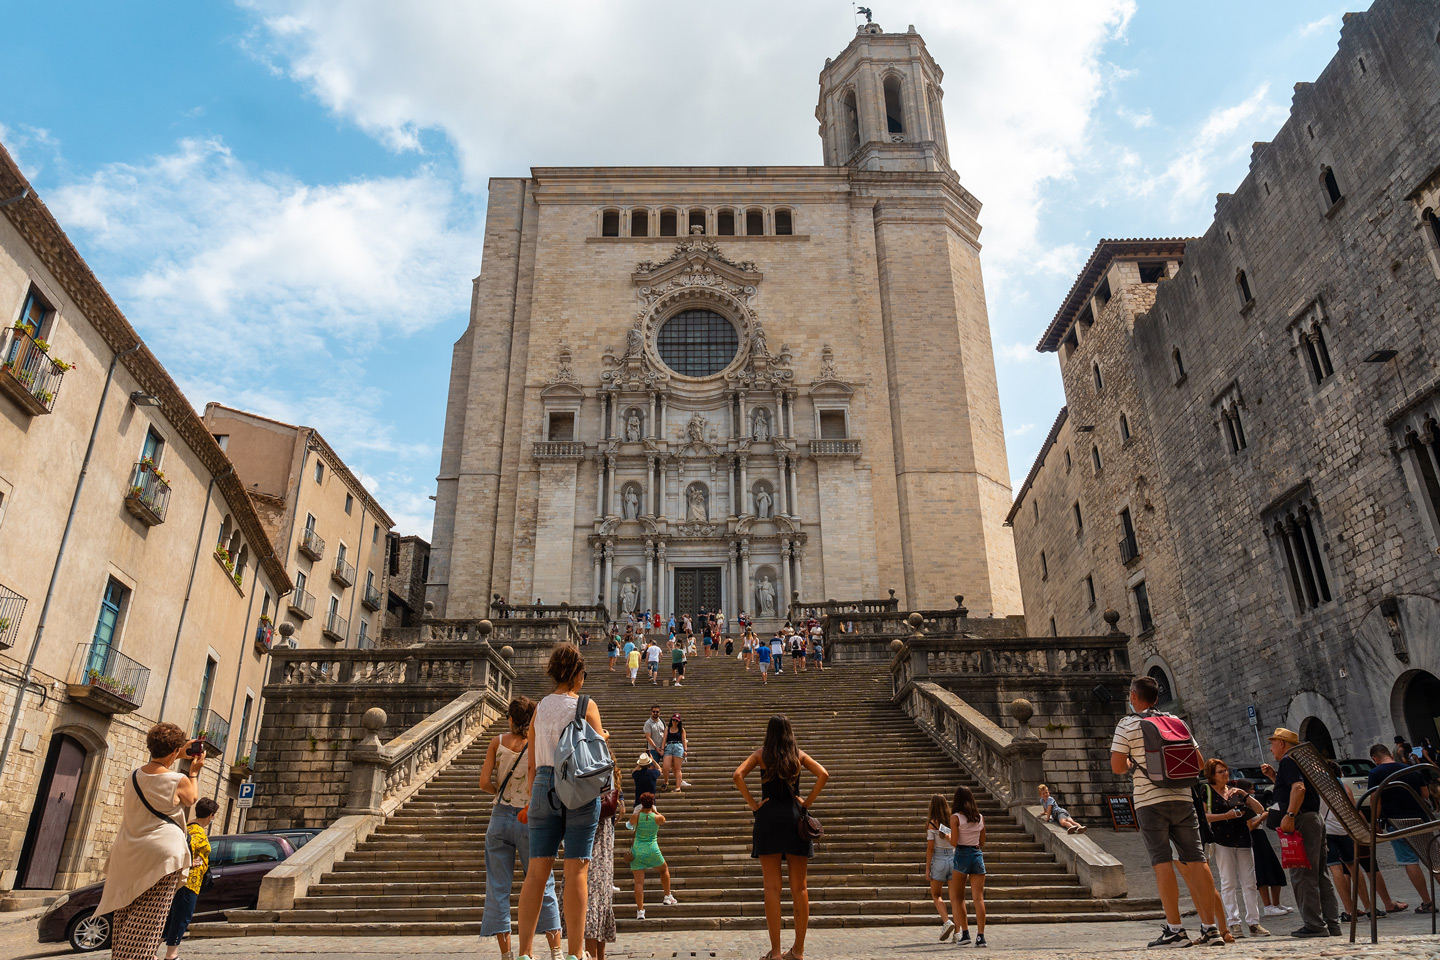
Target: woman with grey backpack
553	775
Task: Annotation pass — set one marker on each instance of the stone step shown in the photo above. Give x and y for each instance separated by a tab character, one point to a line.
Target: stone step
391	873
701	888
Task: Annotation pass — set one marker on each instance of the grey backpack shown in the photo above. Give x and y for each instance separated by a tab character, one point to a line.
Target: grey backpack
584	768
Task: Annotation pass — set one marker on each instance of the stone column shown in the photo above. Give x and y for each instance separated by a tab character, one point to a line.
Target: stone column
745	571
610	598
650	486
799	552
605	415
662	589
793	462
744	416
732	574
649	577
654	414
727	602
783	608
744	486
599	487
597	556
614	500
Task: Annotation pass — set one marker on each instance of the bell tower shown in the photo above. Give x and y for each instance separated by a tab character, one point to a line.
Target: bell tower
880	104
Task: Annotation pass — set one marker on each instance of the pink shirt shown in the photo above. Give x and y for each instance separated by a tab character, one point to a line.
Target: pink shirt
967	834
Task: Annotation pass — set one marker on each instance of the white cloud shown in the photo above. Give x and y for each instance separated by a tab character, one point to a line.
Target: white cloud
1316	26
1137	119
1017	353
282	297
27	145
1019	431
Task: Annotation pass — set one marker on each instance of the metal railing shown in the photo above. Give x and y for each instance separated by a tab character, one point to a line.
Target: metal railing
245	754
102	667
264	635
213	729
302	604
12	608
337	627
311	545
1129	549
26	363
149	496
343	572
372	598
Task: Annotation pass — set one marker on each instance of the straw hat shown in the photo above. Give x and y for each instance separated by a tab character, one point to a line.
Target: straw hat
644	760
1285	736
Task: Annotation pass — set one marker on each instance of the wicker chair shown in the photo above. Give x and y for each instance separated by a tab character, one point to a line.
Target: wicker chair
1422	835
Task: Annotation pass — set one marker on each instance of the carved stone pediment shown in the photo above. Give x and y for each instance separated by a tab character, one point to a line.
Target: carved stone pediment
697	528
697	260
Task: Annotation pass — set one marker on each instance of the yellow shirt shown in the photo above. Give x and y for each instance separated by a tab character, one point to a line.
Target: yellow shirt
634	661
200	856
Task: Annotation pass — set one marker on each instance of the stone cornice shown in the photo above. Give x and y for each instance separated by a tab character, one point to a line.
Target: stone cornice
35	224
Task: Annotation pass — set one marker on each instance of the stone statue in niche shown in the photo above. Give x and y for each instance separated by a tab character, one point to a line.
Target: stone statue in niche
762	425
696	508
695	430
632	504
764	504
765	592
632	427
629	596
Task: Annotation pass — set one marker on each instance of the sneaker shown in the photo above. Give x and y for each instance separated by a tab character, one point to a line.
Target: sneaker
1333	929
1345	918
557	954
1258	931
979	939
1171	938
1306	932
1210	937
670	900
686	783
614	888
639	914
1274	911
946	930
962	938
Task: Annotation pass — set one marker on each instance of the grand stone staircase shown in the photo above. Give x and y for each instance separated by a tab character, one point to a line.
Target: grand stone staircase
423	871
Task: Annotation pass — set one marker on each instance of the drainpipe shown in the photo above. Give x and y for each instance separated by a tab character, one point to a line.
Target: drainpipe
359	550
185	607
25	680
245	641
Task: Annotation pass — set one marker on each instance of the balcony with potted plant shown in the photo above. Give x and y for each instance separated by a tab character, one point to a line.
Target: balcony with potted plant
264	634
149	496
243	767
12	608
29	375
107	681
372	598
311	545
213	729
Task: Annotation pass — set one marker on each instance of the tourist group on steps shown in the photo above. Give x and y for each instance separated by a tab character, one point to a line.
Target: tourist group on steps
554	786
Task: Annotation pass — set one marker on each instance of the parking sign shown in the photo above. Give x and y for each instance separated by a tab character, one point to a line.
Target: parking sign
247	795
1250	712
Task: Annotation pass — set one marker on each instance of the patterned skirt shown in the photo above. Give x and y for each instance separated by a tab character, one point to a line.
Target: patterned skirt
138	926
600	887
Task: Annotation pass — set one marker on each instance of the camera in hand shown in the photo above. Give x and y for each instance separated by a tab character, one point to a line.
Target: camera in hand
196	748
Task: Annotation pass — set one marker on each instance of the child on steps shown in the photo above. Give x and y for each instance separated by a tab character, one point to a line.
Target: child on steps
645	852
967	832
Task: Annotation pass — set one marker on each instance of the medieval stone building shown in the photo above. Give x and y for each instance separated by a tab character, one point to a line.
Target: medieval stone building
1258	427
722	386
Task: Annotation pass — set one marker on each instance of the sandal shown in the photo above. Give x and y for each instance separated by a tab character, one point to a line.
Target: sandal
1399	906
1425	908
790	955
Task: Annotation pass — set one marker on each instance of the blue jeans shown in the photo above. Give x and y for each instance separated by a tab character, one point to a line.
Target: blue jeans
504	838
550	823
182	908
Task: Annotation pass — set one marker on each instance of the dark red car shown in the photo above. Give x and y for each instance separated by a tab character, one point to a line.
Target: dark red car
237	864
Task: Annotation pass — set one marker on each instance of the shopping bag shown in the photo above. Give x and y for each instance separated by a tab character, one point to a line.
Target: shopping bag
1292	852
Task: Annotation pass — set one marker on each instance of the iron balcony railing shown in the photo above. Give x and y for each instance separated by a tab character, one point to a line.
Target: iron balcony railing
27	371
213	729
244	759
311	545
12	608
372	598
343	572
100	667
1129	549
302	604
149	496
337	627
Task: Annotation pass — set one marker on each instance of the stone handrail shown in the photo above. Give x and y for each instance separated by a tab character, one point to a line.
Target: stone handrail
590	613
558	450
806	611
382	778
474	665
1009	766
924	657
520	630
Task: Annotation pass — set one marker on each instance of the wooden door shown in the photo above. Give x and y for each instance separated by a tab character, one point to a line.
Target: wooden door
51	818
697	587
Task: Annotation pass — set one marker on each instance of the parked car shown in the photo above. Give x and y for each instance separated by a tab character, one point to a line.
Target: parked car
298	836
237	864
1356	773
1264	789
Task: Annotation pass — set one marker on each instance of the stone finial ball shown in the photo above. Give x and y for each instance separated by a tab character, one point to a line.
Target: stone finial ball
915	620
374	719
508	652
429	607
286	629
896	646
485	627
564	604
1112	616
1022	710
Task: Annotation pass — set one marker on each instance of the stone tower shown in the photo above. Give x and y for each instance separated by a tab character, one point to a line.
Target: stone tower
725	386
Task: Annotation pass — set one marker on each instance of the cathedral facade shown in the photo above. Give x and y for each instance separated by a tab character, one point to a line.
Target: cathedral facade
728	386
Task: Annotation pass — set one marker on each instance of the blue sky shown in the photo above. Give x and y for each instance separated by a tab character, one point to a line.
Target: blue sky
287	196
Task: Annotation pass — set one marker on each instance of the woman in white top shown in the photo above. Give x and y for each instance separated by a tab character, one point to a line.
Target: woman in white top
504	774
151	855
939	859
550	821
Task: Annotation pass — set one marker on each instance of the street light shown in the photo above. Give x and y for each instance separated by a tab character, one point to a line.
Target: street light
142	399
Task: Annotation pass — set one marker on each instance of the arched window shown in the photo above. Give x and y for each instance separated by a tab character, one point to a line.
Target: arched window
1332	187
225	526
754	222
725	223
697	221
667	223
1434	223
1162	680
1242	282
610	223
784	226
639	223
850	121
894	110
240	563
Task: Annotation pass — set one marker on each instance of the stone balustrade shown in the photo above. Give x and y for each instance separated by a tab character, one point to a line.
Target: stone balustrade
947	658
478	667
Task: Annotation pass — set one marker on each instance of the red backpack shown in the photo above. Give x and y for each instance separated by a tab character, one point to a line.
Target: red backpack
1172	757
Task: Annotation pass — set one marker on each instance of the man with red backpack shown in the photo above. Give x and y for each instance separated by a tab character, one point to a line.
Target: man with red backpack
1160	752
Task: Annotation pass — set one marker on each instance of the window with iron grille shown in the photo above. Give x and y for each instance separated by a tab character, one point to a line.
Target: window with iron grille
697	343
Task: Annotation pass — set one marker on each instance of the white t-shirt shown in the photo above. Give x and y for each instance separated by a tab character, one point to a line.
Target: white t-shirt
943	847
553	715
653	654
1130	740
777	647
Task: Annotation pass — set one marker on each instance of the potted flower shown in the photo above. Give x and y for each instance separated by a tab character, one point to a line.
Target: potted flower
238	577
42	345
223	555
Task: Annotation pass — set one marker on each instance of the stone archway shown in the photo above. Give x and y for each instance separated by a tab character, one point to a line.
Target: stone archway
1310	712
1415	704
1314	730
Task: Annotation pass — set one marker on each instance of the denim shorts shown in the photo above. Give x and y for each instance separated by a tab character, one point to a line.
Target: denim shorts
550	822
1404	853
969	860
941	866
675	750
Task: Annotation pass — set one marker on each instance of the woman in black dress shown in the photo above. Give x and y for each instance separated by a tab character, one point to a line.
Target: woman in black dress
777	821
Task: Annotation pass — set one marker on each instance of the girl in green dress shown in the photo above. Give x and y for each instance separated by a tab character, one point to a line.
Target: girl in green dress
645	852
